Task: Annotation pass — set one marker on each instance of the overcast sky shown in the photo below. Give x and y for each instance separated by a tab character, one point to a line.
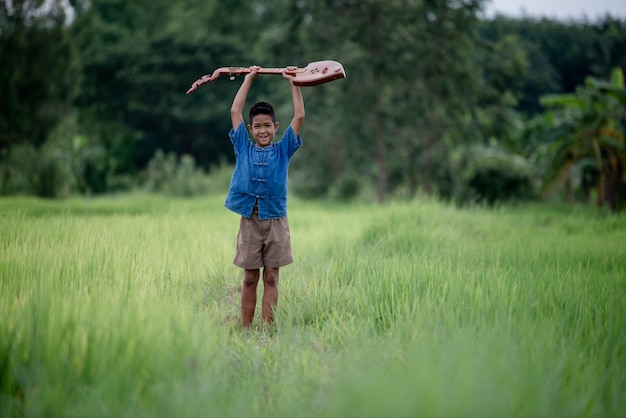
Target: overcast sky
559	9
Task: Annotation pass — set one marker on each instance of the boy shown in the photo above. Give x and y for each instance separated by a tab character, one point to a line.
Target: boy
258	192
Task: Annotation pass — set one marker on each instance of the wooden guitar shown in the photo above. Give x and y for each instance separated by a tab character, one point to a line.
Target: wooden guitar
315	73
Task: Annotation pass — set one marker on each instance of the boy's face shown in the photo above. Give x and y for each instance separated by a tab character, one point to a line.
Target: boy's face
263	129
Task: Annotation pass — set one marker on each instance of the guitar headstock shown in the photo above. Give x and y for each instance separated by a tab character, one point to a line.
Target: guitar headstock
229	71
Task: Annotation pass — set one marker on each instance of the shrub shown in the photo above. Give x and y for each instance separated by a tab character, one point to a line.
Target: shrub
490	175
219	178
36	172
347	188
308	183
178	177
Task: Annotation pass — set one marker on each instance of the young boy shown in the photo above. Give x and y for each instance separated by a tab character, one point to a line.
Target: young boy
258	192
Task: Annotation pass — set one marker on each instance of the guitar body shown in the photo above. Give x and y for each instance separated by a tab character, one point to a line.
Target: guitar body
319	72
314	74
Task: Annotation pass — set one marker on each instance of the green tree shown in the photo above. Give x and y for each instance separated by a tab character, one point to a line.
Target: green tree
609	46
406	63
139	58
38	71
561	54
446	80
587	138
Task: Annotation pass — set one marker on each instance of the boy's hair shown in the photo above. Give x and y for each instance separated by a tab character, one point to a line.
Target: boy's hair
262	108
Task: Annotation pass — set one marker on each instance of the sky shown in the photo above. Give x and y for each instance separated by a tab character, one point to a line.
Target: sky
559	9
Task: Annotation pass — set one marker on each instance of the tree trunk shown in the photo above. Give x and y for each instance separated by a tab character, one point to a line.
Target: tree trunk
336	159
428	164
613	173
381	163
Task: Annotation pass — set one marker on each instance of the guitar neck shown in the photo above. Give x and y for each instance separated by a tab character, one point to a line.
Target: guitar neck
271	70
242	70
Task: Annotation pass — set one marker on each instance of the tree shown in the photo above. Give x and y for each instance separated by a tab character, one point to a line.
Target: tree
446	88
560	54
588	138
139	58
38	71
406	62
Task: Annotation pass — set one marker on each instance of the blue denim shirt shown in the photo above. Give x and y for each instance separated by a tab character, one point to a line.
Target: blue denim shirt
260	174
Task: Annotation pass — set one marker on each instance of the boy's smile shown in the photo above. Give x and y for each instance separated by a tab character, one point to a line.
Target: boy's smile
263	129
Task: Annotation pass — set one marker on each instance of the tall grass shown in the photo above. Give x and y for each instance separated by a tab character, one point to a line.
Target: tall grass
129	307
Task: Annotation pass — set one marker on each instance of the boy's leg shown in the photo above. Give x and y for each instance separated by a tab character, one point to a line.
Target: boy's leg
248	295
270	292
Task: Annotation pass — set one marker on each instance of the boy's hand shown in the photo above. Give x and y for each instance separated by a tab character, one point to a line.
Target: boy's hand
254	72
290	73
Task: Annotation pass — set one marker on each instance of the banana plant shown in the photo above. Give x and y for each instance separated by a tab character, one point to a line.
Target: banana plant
587	136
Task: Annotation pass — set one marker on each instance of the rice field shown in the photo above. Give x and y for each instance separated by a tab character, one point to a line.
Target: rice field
128	306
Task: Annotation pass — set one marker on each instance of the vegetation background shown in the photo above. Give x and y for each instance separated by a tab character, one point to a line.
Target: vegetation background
438	99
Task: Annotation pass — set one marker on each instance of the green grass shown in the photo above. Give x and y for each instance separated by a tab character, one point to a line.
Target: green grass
129	307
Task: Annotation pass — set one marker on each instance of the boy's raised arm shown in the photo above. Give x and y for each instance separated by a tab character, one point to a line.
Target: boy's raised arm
298	105
239	102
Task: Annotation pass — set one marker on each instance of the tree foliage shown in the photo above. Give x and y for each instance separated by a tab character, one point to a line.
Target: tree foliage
560	54
429	82
588	138
138	61
38	71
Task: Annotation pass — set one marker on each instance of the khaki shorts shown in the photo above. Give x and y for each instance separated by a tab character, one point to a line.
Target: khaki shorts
263	243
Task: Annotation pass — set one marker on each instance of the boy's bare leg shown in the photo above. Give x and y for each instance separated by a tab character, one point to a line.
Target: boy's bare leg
248	295
270	293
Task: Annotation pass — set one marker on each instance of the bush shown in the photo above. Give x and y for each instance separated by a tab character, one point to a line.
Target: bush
91	165
347	188
36	172
178	177
490	175
219	178
309	183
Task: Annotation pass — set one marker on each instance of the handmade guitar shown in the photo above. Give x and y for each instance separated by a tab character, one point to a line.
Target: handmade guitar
315	73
